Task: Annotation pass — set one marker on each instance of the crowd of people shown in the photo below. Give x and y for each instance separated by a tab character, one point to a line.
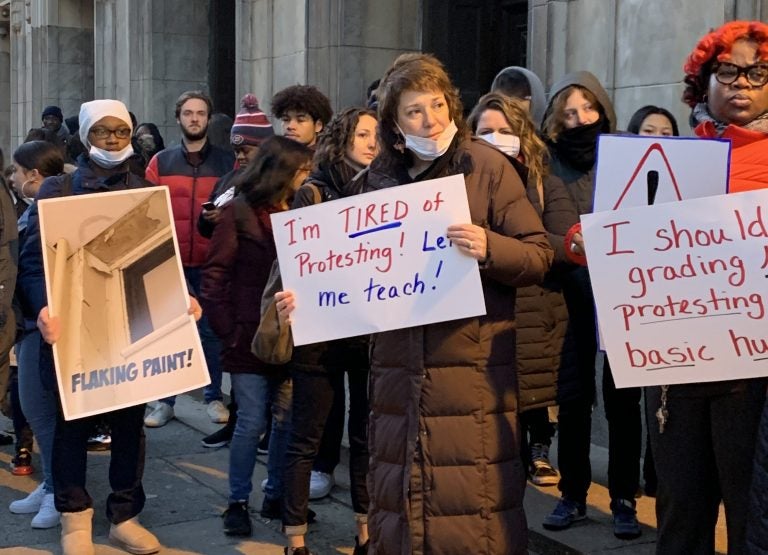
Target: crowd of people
448	420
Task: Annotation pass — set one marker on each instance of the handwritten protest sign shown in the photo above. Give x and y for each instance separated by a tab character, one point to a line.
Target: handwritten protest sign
378	261
681	289
113	276
638	171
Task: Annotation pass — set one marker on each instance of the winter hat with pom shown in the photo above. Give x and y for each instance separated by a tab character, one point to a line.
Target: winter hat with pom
251	126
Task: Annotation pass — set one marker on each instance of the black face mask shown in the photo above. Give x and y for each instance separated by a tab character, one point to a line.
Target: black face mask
578	146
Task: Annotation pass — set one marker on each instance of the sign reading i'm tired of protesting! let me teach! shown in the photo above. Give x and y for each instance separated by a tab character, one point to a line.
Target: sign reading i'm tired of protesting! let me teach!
377	261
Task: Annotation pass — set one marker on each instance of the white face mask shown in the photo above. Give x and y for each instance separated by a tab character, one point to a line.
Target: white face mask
508	144
108	158
428	149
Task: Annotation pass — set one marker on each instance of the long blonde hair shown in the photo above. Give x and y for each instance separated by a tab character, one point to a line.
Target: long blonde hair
533	149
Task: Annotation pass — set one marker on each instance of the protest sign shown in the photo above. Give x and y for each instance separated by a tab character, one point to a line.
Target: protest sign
378	261
637	170
114	278
681	289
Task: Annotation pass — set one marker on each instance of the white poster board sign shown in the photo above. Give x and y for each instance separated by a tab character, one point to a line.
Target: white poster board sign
114	278
638	171
681	289
378	261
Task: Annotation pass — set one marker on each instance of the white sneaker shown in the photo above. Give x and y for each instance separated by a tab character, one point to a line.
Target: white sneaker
30	504
47	516
320	484
217	412
160	415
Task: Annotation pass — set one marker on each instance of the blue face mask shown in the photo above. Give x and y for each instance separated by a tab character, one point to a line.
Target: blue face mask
108	158
428	149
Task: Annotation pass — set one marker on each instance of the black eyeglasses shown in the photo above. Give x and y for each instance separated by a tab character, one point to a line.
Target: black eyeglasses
103	132
727	73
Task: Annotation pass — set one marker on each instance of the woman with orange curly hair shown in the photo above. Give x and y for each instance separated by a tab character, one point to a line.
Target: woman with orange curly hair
705	453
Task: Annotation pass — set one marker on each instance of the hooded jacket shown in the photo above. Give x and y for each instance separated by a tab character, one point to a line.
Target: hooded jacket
445	473
538	96
578	381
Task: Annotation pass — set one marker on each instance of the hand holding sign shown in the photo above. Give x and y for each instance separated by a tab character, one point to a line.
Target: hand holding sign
390	259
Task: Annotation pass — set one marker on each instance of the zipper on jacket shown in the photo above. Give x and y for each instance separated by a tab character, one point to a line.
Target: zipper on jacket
192	226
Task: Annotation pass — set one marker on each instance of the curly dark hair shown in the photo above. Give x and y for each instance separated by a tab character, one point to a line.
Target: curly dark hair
339	134
412	72
267	178
714	47
302	98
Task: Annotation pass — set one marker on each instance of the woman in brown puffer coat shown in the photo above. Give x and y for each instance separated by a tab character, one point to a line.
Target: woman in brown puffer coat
445	474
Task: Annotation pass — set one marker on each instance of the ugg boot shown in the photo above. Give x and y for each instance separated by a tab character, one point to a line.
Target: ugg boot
133	537
76	536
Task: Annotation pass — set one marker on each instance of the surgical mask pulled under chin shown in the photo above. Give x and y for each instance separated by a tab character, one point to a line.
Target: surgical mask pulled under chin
508	144
428	149
108	158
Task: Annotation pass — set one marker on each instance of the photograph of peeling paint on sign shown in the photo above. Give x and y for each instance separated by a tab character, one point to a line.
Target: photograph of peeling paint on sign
114	277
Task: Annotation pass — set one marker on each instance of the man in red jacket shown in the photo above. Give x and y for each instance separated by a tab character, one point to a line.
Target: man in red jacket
190	170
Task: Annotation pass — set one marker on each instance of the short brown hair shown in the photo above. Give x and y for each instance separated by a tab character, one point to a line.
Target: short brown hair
412	72
188	95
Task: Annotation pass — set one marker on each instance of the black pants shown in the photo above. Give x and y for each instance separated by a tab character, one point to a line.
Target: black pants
330	446
704	456
535	427
622	410
126	465
313	397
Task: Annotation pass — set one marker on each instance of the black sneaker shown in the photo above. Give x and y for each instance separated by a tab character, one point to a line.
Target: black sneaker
219	438
237	521
6	439
625	525
99	442
21	464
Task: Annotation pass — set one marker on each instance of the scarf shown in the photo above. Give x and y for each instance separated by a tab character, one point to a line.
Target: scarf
578	146
701	113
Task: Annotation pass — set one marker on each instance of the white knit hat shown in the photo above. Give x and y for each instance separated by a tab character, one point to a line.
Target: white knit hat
93	111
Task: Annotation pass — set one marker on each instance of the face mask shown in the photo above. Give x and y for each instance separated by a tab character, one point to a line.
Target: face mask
110	159
508	144
428	149
147	142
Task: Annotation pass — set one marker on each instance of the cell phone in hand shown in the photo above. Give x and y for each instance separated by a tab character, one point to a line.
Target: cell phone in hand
208	206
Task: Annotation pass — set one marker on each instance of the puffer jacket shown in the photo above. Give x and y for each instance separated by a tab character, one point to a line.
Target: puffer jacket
578	381
236	272
749	155
189	187
8	267
445	472
544	345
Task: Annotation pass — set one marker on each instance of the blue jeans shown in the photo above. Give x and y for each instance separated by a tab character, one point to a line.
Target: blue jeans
210	342
254	392
37	392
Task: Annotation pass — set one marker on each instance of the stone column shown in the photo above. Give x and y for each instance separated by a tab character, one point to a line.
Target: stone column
51	59
340	46
5	84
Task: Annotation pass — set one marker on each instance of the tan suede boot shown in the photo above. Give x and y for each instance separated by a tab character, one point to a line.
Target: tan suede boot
76	535
131	536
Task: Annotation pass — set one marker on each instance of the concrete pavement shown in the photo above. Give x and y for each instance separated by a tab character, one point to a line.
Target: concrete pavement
186	486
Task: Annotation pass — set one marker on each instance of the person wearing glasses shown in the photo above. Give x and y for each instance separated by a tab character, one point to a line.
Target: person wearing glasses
105	130
705	453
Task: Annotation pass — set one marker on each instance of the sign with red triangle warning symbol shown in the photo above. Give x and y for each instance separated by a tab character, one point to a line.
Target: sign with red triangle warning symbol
639	171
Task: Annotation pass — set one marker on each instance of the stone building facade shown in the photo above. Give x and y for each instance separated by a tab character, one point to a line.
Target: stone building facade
146	52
